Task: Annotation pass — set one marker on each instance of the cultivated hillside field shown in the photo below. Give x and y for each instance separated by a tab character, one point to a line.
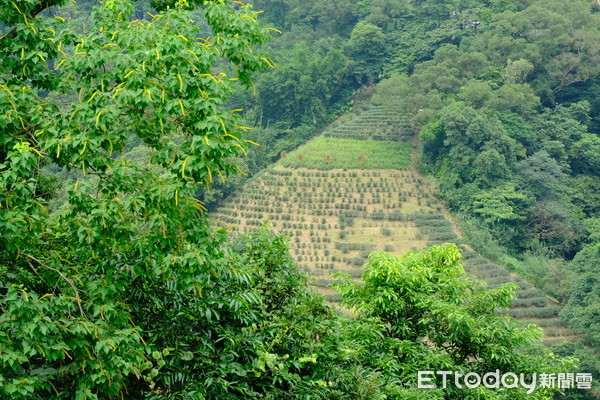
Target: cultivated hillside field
341	197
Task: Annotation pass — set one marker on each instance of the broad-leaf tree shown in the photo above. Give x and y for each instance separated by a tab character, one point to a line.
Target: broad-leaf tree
127	277
436	319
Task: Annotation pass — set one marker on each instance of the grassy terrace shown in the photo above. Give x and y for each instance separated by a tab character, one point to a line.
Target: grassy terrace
330	153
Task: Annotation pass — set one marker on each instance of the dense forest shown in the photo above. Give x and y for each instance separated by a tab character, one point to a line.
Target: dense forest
124	122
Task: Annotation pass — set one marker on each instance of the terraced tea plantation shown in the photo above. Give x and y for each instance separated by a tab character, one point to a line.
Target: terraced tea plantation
340	199
375	123
334	218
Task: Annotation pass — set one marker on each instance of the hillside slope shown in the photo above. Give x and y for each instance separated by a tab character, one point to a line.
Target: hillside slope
344	195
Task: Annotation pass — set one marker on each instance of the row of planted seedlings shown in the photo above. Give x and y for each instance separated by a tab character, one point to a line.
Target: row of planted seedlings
293	173
285	215
345	212
394	125
435	227
358	174
367	135
368	132
530	304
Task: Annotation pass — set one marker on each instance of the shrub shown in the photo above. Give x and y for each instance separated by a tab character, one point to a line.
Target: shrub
443	236
529	293
386	232
530	302
544	312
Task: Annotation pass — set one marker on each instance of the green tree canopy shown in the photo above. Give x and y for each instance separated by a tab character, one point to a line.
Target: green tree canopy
366	48
429	307
129	270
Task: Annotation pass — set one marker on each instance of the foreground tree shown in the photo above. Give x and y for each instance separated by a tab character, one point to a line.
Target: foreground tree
436	319
126	279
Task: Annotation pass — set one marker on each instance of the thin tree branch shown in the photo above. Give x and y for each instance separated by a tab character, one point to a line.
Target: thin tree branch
32	14
76	292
